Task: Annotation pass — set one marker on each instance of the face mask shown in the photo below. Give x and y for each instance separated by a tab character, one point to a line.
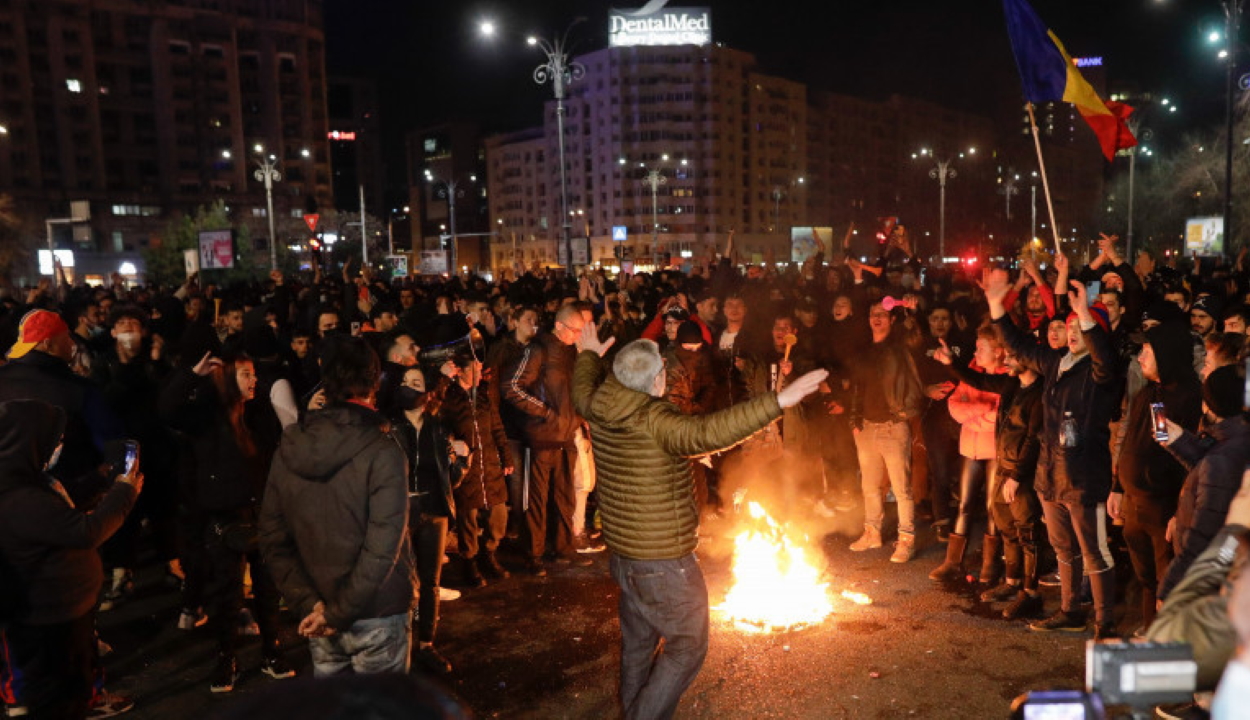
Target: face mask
129	339
56	456
409	399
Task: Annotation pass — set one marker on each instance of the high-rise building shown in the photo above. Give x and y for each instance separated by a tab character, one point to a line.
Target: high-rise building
728	142
736	149
147	110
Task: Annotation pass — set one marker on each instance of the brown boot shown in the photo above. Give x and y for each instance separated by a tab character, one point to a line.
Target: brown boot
991	560
952	568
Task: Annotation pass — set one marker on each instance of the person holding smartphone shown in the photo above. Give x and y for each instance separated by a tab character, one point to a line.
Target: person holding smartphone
1147	479
52	574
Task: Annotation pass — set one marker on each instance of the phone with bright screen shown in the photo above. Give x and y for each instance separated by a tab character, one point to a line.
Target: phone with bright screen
132	457
1092	289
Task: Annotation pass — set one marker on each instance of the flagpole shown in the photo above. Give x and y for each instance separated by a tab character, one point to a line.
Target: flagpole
1041	165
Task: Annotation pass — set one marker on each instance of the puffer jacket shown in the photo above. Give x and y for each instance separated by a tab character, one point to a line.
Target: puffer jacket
334	521
537	387
1087	390
1018	425
643	447
1213	480
1196	611
976	411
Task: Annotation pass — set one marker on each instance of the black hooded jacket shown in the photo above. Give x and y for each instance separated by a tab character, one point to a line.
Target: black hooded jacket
334	521
48	559
1146	469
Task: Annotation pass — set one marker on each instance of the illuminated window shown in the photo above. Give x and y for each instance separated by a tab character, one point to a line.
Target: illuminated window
73	85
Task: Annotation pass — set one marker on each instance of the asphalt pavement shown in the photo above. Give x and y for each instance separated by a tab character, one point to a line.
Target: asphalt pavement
529	647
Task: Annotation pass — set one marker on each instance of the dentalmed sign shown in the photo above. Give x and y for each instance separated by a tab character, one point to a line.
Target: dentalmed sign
655	24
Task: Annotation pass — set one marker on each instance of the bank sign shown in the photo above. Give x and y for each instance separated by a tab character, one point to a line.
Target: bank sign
654	25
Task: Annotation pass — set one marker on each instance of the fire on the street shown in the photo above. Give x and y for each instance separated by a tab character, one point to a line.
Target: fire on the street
775	586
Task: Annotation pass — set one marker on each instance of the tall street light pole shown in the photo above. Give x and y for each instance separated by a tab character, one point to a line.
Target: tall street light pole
1232	14
560	73
267	172
942	172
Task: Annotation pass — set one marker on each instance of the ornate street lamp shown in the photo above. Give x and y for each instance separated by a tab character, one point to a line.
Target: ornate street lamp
267	172
560	73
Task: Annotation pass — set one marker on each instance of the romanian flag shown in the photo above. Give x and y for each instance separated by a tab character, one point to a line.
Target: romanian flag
1049	74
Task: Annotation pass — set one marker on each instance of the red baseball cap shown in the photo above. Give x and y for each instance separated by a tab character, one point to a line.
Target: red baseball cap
37	326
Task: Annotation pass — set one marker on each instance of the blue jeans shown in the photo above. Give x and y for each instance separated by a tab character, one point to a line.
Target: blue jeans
660	600
885	455
373	645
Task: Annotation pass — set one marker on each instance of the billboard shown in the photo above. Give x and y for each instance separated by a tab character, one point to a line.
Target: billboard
398	265
216	249
433	262
653	24
45	260
1204	236
804	242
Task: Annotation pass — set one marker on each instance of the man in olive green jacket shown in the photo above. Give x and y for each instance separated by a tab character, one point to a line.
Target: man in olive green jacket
643	445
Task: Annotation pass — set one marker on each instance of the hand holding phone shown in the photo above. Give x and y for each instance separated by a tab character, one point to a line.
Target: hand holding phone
1159	421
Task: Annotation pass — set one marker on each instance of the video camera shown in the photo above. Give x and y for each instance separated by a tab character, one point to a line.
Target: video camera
1137	675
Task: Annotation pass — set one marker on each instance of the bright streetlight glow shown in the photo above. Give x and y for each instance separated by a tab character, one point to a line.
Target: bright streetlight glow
258	148
487	28
531	40
4	130
127	268
305	152
972	151
1166	101
1214	37
1223	54
225	154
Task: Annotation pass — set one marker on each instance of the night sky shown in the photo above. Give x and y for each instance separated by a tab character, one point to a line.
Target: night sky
432	65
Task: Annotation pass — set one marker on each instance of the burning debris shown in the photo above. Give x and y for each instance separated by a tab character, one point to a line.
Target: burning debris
775	587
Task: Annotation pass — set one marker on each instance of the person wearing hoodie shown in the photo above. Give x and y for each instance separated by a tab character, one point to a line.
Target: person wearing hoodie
334	523
1147	480
50	562
1215	461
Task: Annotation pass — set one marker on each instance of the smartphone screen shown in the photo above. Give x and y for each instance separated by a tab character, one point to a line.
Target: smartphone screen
1159	419
1092	290
132	456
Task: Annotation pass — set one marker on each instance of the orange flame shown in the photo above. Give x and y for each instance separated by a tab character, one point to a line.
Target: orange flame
775	587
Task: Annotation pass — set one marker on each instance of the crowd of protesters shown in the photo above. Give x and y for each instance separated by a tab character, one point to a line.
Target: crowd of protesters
329	440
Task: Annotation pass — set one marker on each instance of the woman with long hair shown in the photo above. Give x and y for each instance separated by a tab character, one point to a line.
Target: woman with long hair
229	447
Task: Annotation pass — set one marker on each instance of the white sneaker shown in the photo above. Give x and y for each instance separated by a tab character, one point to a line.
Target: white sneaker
446	594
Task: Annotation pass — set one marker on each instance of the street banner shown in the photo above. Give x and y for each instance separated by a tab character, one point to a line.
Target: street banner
581	250
216	249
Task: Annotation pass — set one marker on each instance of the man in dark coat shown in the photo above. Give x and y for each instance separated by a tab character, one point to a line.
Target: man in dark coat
1216	463
334	523
51	569
1074	467
39	369
539	389
482	496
